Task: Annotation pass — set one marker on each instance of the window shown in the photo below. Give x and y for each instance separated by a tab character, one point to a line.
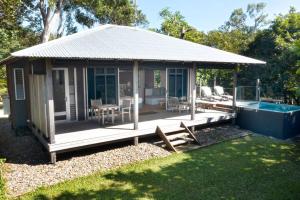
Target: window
156	78
19	84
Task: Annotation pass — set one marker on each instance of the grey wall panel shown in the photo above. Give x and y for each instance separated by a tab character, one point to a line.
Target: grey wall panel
80	93
72	94
19	108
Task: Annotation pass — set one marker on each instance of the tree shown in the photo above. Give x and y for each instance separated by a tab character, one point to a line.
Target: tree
121	12
279	77
175	25
54	18
13	35
248	22
296	49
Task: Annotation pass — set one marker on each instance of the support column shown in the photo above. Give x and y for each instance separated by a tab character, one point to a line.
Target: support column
50	107
257	96
136	94
193	91
215	82
49	102
167	90
234	88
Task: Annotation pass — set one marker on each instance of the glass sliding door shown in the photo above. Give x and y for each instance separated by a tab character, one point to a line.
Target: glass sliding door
177	82
102	85
111	89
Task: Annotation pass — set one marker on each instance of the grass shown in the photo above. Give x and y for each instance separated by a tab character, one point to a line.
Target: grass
2	189
248	168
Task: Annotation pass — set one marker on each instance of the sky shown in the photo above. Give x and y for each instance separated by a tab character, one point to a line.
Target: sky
209	15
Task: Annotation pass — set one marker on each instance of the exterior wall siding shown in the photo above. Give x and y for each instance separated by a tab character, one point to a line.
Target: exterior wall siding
20	109
72	94
80	94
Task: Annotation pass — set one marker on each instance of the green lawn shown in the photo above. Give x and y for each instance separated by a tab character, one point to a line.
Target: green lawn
248	168
2	189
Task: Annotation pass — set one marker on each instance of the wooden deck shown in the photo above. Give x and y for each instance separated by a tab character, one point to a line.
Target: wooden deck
85	133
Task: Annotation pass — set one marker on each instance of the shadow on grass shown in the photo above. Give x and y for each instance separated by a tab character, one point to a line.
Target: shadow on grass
248	168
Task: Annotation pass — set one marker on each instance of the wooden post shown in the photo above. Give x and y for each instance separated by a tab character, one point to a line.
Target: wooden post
50	107
136	94
215	82
53	157
234	88
49	102
136	141
167	91
193	87
257	96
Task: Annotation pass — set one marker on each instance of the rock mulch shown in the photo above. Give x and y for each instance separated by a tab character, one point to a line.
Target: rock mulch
216	134
28	168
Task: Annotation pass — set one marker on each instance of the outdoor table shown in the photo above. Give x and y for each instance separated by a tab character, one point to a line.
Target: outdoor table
106	108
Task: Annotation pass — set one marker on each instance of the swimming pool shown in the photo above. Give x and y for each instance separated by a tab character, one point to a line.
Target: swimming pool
276	120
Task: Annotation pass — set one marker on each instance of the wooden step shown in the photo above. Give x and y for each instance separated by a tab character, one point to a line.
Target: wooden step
177	135
178	142
171	129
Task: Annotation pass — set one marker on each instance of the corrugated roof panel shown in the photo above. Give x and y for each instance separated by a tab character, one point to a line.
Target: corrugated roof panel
122	42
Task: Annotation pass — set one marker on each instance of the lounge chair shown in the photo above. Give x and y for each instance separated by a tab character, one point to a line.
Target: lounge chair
208	96
219	91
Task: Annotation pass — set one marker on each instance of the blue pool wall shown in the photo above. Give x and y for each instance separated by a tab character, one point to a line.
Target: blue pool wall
282	125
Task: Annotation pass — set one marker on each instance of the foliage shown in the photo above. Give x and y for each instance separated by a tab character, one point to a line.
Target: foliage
249	168
275	45
24	23
249	22
296	49
2	182
175	25
63	17
121	12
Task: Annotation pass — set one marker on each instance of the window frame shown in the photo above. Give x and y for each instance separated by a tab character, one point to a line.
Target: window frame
23	83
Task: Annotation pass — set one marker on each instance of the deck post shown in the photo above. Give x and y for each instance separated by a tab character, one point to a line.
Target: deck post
193	87
257	96
136	141
234	88
53	157
49	102
136	94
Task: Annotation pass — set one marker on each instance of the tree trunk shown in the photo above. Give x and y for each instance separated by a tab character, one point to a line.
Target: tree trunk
49	20
46	33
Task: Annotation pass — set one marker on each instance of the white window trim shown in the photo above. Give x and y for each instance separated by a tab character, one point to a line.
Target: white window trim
17	99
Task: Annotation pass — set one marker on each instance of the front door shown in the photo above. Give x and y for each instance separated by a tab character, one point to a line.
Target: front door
61	93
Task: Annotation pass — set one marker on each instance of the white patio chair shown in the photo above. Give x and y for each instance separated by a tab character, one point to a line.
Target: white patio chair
175	105
207	94
125	109
95	103
219	91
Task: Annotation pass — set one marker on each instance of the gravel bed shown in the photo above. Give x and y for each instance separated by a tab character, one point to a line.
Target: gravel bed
216	134
27	164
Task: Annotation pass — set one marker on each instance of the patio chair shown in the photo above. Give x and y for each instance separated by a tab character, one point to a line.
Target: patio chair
95	103
207	94
125	109
175	105
219	91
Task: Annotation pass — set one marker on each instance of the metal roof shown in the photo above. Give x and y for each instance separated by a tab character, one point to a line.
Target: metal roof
130	43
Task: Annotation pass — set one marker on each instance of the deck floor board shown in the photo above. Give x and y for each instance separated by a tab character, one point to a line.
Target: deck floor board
78	134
